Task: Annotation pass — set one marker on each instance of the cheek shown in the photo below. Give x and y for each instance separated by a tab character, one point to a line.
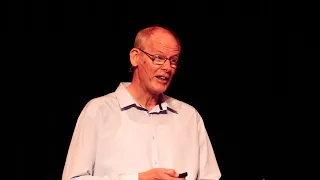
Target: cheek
155	70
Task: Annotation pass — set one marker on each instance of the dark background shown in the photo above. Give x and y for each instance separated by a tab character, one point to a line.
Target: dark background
247	66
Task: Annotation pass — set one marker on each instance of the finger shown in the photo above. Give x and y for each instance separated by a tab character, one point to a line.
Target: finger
172	173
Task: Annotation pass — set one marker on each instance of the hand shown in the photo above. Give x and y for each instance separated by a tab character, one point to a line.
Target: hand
160	174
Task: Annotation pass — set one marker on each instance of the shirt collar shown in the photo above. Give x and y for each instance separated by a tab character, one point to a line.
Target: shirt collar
123	96
125	99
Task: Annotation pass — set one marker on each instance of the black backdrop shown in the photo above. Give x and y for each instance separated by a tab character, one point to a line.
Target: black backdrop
235	73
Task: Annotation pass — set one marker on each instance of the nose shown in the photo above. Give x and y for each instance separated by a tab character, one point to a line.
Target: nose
167	65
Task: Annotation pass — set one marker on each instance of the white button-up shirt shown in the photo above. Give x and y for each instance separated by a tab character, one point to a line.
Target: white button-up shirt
115	139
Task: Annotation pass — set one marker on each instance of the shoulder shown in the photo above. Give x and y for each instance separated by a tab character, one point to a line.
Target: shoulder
100	103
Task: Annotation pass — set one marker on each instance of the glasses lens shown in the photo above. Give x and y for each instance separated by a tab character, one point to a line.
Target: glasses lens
159	59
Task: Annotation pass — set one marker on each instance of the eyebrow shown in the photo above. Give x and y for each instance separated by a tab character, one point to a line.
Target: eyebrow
158	51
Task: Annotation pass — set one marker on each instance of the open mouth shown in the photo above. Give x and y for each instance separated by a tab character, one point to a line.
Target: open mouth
162	78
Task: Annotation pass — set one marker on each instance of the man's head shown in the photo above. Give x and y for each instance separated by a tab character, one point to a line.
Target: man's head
155	58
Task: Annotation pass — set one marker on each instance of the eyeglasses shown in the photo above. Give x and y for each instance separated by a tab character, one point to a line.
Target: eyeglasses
160	59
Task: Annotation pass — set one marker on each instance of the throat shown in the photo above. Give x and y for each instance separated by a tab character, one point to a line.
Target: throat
148	103
146	100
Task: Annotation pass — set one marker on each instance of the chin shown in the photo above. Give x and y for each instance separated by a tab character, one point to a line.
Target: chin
160	90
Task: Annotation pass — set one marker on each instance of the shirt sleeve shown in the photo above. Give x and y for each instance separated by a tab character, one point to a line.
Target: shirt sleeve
81	155
132	176
209	169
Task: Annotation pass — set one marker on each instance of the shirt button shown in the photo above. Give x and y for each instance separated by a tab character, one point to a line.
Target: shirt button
155	162
153	137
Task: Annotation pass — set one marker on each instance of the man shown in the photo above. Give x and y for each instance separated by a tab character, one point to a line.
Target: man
137	132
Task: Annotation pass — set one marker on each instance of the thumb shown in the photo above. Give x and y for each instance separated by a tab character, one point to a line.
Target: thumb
172	173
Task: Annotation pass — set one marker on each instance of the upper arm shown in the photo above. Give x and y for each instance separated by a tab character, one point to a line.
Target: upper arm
208	166
81	153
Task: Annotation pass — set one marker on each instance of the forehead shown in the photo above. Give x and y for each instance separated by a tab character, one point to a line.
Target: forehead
163	40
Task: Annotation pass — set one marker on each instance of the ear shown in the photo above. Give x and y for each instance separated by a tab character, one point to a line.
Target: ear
134	57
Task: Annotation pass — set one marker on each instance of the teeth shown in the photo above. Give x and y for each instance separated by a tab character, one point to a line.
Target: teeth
161	77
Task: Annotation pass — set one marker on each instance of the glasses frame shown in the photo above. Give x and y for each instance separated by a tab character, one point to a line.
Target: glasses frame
164	59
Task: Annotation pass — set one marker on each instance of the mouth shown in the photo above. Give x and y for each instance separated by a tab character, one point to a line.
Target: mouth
162	79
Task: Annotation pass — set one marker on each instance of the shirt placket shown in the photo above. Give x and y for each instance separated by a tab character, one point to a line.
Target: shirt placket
154	142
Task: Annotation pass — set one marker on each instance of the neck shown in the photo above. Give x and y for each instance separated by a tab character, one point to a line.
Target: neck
142	96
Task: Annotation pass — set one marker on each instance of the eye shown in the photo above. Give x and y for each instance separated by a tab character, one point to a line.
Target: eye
160	57
174	60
